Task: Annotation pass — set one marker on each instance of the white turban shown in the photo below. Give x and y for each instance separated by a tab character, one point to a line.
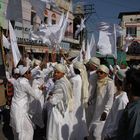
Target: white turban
94	61
104	69
72	54
78	65
60	68
23	70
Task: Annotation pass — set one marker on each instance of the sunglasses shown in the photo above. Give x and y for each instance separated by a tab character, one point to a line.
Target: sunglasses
100	72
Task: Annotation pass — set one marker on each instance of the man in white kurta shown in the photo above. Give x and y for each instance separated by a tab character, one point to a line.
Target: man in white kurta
36	106
79	120
19	118
110	130
103	102
92	66
61	99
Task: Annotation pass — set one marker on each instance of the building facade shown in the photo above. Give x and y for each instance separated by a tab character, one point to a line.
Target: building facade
31	20
130	23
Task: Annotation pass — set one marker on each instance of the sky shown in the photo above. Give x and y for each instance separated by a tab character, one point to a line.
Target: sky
108	10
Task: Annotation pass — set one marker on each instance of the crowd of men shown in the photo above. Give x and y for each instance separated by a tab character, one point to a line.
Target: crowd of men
74	100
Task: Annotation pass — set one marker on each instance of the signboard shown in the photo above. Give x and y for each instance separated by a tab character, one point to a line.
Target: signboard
22	30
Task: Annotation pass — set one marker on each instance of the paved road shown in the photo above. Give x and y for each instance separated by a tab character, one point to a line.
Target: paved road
5	129
2	137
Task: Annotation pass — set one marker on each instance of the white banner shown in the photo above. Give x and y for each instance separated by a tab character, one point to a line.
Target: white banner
14	46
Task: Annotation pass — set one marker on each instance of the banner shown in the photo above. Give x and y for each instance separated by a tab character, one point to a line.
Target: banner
14	46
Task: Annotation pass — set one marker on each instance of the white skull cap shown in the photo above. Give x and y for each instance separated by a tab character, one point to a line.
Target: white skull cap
78	65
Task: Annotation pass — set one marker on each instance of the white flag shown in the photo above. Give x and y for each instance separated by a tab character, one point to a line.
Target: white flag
104	44
39	6
51	34
14	10
82	52
88	56
107	39
92	46
63	28
128	41
80	27
14	46
6	43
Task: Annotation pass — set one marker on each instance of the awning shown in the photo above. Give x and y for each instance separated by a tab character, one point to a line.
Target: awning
35	49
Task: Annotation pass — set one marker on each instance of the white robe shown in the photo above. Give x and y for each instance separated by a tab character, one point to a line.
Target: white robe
104	101
36	105
111	124
92	78
19	117
58	122
79	130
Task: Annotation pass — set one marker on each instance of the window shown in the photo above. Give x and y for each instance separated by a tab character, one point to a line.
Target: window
46	16
53	21
132	31
46	20
33	17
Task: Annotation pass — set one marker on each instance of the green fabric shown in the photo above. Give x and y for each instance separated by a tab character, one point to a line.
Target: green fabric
121	58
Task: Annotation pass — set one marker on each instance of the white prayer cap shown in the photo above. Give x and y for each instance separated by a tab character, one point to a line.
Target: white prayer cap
104	69
78	65
60	68
94	61
23	70
16	71
37	62
120	75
